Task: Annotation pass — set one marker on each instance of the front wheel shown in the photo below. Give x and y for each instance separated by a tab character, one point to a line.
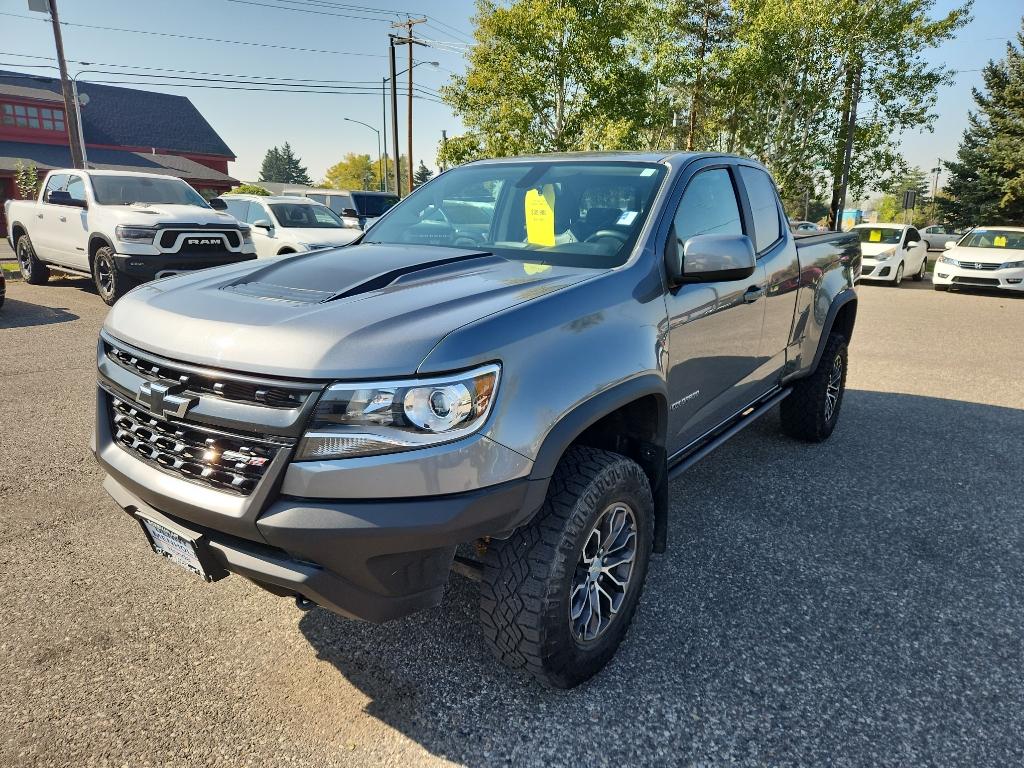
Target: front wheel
811	411
111	284
33	271
922	271
557	597
899	276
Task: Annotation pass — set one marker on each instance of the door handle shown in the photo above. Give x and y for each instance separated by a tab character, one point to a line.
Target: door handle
752	294
63	218
39	215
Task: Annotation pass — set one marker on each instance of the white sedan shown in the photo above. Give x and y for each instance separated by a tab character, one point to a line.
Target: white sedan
986	257
890	252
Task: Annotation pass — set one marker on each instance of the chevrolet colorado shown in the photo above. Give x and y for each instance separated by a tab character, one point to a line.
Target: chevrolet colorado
334	429
121	228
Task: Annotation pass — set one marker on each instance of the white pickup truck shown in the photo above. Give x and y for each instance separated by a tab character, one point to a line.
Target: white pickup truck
121	229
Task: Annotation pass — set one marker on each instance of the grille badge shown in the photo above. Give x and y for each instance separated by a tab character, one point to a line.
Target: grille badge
163	399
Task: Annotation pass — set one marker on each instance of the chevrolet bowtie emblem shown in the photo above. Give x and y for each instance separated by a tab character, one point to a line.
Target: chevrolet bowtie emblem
164	399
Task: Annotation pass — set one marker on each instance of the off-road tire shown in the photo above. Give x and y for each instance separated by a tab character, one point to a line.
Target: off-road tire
111	284
805	413
527	578
33	271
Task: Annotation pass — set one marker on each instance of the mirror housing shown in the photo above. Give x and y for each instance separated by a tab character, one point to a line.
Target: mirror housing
263	224
710	259
351	212
63	197
217	204
911	243
950	244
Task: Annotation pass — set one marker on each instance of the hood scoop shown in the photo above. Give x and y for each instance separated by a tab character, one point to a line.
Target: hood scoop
322	276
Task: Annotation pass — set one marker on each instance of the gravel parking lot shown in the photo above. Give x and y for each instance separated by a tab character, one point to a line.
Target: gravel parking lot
856	603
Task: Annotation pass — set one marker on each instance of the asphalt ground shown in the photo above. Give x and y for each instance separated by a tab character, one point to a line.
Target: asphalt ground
857	603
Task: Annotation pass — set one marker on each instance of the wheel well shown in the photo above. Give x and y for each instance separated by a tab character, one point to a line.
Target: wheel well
17	231
95	243
845	319
285	250
637	430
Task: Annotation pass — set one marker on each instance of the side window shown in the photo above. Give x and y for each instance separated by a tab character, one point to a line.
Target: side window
238	208
256	213
76	188
913	234
764	206
319	198
708	207
55	182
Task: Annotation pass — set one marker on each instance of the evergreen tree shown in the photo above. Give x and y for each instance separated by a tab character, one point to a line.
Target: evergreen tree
294	171
986	182
422	175
273	167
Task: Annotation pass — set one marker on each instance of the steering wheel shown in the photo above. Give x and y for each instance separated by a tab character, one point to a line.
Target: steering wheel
604	234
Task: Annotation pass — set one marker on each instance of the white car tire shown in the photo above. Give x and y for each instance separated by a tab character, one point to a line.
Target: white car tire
899	276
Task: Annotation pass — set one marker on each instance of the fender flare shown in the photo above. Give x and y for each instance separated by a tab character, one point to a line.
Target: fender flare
93	236
843	298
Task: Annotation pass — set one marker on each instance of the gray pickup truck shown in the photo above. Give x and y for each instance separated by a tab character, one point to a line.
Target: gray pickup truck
501	378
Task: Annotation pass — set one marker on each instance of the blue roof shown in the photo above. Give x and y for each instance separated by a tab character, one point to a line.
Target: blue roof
129	117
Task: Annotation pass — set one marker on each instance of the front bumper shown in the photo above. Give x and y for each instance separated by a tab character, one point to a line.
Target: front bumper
148	267
878	270
1010	279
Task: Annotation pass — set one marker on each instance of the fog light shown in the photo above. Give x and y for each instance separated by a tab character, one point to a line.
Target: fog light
939	274
1013	280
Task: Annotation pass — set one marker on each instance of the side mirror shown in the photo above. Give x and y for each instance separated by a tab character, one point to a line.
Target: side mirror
218	205
263	224
710	259
352	212
950	244
59	197
912	243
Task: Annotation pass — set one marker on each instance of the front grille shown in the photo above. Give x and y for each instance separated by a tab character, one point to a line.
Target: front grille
223	461
169	237
978	265
210	384
976	280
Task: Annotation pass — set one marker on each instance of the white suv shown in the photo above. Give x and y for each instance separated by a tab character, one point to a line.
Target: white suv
285	224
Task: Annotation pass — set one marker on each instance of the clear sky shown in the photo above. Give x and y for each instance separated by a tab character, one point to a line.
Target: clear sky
354	49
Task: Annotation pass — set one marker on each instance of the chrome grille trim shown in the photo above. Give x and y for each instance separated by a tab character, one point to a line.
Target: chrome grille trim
228	462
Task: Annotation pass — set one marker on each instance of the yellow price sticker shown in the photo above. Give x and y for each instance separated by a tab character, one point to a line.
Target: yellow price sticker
540	216
535	269
999	241
875	236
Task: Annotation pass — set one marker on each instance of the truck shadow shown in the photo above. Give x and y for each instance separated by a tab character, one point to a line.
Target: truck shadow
855	597
23	314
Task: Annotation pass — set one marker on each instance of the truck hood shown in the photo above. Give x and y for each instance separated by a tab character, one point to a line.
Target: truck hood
152	214
365	311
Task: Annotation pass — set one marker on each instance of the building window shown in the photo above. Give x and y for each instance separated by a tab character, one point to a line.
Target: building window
33	118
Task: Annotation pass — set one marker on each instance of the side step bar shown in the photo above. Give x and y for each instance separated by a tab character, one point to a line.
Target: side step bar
746	418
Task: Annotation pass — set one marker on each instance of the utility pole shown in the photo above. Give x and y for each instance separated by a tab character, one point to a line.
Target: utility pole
410	41
444	150
70	106
935	185
384	128
394	116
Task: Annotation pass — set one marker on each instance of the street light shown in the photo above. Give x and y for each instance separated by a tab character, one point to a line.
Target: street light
380	158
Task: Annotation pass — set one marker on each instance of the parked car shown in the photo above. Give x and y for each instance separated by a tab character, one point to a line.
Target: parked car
122	229
806	227
986	257
891	252
358	209
285	224
936	236
333	428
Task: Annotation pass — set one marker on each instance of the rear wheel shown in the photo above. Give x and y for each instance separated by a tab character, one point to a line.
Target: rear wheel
111	284
811	411
32	269
557	597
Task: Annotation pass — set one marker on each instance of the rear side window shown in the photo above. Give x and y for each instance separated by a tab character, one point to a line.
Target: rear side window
764	207
708	207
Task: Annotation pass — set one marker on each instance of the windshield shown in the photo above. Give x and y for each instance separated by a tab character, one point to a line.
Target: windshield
1001	239
373	205
585	214
884	235
306	216
125	190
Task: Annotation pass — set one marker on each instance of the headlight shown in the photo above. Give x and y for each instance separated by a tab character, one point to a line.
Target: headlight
129	234
246	234
948	260
1012	265
362	419
886	254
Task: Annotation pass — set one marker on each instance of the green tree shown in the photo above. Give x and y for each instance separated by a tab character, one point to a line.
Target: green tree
422	175
281	165
553	75
248	189
353	171
986	181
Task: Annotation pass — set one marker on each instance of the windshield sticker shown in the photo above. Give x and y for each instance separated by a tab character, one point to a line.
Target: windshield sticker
875	236
626	218
540	216
999	241
535	269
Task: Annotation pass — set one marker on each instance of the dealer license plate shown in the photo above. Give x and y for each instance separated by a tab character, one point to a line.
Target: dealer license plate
175	547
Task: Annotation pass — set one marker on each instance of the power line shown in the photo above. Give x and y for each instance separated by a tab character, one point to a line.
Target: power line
317	12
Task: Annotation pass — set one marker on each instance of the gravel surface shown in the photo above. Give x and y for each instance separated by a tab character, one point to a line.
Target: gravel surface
855	603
